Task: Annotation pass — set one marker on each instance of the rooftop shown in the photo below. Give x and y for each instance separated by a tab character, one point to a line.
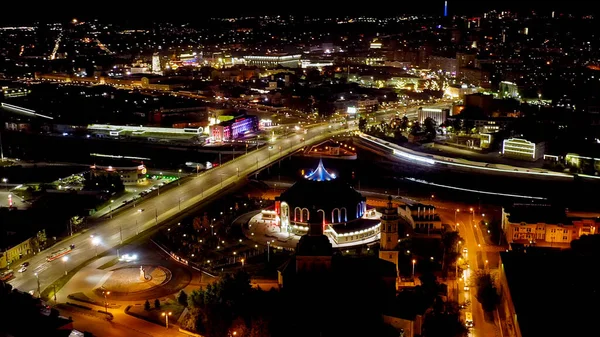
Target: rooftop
536	213
320	174
549	286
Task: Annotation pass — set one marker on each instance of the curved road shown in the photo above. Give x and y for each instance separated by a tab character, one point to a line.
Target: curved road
148	213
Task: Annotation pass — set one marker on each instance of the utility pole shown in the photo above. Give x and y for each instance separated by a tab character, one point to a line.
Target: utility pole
121	233
156	215
38	284
1	148
220	159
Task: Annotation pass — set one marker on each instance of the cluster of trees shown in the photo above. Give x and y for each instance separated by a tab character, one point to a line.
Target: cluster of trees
230	305
396	129
442	318
487	292
19	308
451	241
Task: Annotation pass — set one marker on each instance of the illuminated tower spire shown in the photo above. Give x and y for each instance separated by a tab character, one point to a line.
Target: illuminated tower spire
446	8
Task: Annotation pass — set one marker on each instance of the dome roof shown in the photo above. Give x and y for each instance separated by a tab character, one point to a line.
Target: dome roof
321	190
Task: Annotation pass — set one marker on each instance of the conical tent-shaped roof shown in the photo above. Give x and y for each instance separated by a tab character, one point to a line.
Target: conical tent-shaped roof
320	174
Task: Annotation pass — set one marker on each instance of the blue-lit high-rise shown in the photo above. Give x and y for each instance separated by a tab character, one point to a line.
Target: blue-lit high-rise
445	8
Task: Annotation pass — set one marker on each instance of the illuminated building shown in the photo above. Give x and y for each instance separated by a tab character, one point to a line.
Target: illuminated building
343	210
438	115
273	61
156	68
375	44
234	128
522	149
316	63
422	218
129	175
12	92
544	225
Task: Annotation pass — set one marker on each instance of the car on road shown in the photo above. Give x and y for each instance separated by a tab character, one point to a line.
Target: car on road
25	264
466	288
465	250
22	269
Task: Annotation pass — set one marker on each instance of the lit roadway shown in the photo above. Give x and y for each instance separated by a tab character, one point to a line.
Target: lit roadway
477	256
129	221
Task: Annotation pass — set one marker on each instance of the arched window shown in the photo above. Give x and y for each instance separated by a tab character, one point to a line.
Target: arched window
344	213
305	217
297	214
335	215
323	214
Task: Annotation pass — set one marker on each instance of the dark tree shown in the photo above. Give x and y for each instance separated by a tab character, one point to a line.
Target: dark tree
468	125
456	125
157	303
147	305
182	298
487	293
362	124
430	128
450	241
416	128
404	123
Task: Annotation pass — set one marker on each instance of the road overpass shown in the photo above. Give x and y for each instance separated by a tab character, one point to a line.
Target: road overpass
151	212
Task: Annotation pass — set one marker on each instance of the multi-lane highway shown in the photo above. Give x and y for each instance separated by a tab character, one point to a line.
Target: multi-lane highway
128	222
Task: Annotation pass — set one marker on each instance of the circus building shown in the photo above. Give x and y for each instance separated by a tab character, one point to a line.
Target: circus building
343	210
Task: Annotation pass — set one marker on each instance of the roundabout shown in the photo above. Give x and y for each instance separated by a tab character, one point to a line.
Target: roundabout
129	280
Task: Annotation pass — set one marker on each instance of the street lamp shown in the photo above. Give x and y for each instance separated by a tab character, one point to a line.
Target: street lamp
456	211
472	214
5	181
110	208
179	177
166	316
413	268
64	260
38	284
95	242
106	293
242	262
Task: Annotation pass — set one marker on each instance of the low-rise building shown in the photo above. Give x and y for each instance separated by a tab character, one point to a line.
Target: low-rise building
234	128
135	175
523	149
422	218
273	60
544	225
17	248
438	115
541	289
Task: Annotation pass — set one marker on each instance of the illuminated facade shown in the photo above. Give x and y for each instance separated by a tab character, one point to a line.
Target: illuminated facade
522	149
342	209
544	225
156	68
438	115
234	128
273	61
129	175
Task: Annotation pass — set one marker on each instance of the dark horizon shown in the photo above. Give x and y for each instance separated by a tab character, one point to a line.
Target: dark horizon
22	13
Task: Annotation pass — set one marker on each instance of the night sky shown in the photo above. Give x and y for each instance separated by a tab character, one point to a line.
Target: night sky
22	12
